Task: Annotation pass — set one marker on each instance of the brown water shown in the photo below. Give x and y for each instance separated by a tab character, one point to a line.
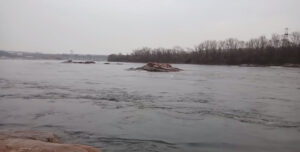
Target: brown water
203	108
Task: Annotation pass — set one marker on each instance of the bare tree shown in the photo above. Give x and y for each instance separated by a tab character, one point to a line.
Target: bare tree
276	50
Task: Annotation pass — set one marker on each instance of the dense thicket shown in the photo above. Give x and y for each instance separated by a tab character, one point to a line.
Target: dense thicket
274	51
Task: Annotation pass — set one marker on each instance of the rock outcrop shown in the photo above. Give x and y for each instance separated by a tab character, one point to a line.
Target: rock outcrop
157	67
33	141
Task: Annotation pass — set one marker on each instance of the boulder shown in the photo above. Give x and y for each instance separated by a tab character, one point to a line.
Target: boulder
158	67
33	141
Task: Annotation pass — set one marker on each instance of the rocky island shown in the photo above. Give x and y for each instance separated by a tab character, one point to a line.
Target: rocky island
80	62
157	67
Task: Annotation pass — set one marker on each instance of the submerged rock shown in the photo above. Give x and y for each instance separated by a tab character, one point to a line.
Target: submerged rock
157	67
33	141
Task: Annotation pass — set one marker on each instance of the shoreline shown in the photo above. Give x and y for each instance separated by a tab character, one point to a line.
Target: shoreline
289	65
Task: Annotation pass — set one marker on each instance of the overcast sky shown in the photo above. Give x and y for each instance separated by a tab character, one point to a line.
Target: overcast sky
113	26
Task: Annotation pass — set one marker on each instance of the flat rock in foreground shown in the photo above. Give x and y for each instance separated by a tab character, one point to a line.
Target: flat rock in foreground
158	67
33	141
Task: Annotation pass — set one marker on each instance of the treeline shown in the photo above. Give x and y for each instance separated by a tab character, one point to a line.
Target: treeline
277	50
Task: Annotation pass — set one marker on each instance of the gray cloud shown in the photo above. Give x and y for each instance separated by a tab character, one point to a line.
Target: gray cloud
112	26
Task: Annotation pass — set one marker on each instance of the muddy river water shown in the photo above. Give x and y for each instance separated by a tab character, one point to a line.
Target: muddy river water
203	108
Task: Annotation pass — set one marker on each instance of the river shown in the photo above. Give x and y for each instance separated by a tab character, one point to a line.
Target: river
203	108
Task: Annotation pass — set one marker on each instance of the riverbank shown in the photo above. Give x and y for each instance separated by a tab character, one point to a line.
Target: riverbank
258	51
283	65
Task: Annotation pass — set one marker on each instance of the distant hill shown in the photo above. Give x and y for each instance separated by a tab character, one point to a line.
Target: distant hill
35	56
